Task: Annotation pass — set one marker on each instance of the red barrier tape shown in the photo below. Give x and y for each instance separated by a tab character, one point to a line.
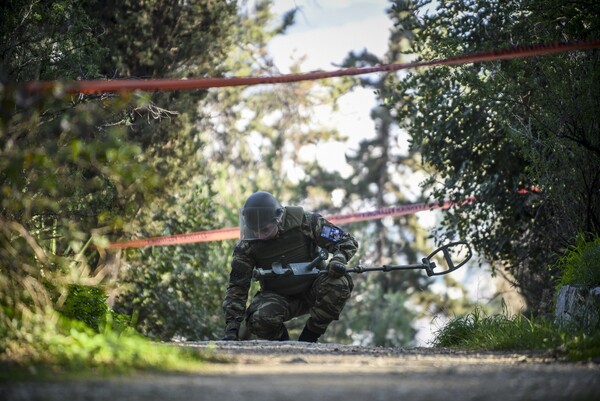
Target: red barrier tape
96	86
234	232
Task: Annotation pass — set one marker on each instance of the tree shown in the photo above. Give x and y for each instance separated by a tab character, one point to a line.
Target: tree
166	288
500	131
76	170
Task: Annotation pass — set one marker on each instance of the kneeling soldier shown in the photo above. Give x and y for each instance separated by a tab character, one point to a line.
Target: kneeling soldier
272	233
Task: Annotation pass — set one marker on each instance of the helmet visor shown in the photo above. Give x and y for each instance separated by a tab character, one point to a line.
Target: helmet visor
259	222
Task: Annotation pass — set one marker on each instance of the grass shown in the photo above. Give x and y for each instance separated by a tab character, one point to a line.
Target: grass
479	331
580	265
54	347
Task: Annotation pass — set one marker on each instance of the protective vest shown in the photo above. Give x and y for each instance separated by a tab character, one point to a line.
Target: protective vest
290	246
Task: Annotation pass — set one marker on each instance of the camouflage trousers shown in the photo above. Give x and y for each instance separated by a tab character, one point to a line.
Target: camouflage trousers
324	301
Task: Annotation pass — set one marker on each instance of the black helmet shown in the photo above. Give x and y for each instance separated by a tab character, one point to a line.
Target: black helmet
260	216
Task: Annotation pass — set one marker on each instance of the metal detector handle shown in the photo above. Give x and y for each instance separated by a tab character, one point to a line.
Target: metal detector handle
323	255
278	270
429	265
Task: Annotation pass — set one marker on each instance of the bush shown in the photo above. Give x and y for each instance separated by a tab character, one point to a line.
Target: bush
580	265
50	344
500	332
86	304
497	332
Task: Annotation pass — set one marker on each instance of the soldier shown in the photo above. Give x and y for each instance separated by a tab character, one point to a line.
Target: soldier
272	233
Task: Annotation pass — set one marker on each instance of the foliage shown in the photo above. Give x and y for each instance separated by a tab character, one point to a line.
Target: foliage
479	331
580	264
174	291
86	304
255	135
46	344
43	40
62	180
76	170
496	332
521	135
582	346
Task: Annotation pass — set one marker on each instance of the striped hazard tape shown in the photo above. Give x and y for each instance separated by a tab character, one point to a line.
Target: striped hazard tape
100	86
234	232
124	85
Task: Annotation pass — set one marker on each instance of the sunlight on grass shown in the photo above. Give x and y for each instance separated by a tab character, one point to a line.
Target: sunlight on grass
45	346
479	331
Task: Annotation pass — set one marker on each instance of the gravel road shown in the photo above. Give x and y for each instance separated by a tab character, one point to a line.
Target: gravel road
263	370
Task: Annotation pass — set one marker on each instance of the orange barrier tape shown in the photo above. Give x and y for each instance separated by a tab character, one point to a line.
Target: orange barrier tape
531	190
97	86
234	232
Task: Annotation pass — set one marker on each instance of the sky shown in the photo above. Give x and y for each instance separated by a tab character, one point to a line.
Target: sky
326	30
324	33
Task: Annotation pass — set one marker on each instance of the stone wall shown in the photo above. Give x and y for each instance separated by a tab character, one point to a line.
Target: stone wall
578	308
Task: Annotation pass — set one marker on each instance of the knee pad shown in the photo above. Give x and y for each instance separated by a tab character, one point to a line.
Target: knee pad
262	325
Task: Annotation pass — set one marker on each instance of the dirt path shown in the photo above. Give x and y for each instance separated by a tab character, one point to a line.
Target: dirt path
314	372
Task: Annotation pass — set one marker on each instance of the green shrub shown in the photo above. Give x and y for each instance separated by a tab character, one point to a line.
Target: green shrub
580	265
500	332
86	304
496	332
50	344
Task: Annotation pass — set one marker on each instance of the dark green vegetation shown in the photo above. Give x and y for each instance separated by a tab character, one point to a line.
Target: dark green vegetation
78	171
479	331
580	265
521	136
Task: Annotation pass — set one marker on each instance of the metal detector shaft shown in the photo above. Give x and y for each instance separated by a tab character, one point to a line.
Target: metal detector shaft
386	268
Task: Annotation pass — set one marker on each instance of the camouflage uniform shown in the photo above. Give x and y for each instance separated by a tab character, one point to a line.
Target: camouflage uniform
323	297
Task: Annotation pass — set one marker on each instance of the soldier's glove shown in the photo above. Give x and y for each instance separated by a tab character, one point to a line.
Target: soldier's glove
336	269
231	335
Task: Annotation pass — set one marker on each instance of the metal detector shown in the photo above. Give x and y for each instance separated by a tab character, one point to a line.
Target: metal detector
443	260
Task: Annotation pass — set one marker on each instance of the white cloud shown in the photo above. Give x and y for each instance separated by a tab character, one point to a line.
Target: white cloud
327	30
324	33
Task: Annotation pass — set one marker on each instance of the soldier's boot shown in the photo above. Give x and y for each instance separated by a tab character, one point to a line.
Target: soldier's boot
284	336
308	335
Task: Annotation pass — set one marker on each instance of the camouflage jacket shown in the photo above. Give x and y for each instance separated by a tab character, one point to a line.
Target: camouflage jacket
296	227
